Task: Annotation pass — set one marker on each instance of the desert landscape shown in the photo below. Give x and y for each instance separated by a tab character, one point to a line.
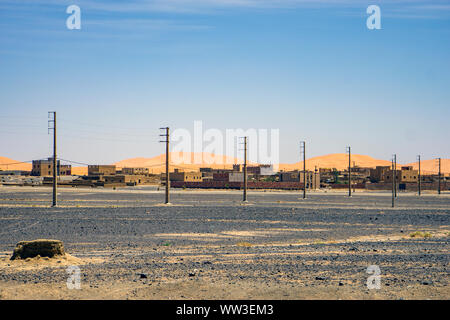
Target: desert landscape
210	245
156	164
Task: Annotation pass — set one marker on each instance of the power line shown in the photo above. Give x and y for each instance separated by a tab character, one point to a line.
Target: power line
75	162
100	125
21	162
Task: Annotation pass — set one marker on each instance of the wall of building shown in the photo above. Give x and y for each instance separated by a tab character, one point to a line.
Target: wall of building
135	171
94	170
236	177
44	168
238	185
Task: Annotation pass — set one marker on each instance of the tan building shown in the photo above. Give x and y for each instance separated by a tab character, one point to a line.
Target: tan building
261	170
406	174
135	171
131	180
44	168
236	176
101	170
312	178
378	174
178	175
238	167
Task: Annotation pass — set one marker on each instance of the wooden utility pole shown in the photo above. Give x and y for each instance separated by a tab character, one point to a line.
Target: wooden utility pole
393	183
419	178
315	178
244	199
167	136
354	184
55	162
439	177
303	150
349	171
395	175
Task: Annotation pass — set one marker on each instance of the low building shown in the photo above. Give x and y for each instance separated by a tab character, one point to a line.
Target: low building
312	178
44	168
125	180
236	177
406	174
14	173
261	170
222	176
178	175
101	170
378	174
135	171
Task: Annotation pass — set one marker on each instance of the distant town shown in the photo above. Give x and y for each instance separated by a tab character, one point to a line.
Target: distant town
258	177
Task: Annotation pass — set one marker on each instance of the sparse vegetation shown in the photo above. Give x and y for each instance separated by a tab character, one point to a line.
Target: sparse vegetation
420	234
244	244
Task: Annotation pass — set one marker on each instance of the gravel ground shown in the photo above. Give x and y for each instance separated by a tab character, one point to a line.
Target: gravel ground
209	245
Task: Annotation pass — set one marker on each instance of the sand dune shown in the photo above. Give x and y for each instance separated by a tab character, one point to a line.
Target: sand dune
336	160
432	166
79	171
184	161
6	164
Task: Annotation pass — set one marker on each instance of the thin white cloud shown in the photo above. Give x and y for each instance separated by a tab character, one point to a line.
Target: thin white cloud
204	6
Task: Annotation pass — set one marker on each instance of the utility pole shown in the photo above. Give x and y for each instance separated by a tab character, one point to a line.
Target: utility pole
166	141
395	175
419	178
349	150
303	150
393	183
244	199
354	185
315	178
439	177
55	163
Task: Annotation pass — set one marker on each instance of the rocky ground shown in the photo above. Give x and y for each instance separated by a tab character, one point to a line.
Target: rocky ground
209	245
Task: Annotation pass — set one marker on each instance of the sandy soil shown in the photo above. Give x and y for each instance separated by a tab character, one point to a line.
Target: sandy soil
208	246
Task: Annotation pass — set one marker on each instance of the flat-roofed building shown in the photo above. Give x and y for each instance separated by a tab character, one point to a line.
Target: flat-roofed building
135	171
406	174
126	179
378	174
101	170
178	175
261	170
312	178
236	177
44	168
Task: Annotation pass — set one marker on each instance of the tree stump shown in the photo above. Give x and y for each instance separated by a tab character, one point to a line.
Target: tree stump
41	247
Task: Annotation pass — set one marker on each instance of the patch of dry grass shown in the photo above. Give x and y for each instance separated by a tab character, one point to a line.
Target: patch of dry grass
244	244
420	234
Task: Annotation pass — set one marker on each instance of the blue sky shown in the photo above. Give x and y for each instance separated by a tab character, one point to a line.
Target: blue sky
309	68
